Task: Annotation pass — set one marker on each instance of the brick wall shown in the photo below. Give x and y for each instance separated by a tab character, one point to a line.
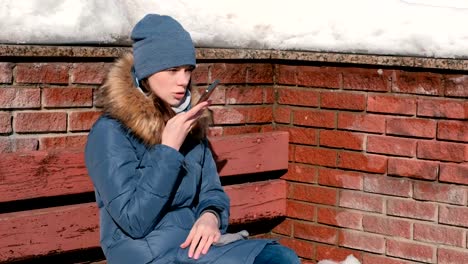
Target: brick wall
378	154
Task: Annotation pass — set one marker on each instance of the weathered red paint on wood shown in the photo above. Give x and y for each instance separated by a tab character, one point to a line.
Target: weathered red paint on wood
257	201
251	153
59	229
51	230
42	174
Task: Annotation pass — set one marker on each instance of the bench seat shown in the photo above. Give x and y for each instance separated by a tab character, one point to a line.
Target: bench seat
47	206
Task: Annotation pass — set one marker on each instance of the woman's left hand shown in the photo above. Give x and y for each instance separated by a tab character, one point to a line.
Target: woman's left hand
204	232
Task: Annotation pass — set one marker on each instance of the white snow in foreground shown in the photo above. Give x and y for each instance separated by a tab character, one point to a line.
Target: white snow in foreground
430	28
349	260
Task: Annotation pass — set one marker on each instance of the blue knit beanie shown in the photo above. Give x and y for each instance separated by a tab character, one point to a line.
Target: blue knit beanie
159	43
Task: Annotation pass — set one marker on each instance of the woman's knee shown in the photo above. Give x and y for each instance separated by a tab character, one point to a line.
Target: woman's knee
277	254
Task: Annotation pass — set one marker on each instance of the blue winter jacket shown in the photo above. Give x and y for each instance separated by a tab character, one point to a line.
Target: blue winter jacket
149	196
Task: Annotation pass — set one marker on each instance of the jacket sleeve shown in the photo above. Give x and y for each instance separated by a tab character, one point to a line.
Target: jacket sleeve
134	192
212	195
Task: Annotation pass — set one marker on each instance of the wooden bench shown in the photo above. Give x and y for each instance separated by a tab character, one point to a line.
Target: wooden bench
47	206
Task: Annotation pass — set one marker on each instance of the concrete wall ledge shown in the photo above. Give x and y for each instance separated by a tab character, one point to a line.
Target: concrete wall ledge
12	51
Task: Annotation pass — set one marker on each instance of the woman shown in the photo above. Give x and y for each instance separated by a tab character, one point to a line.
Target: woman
157	188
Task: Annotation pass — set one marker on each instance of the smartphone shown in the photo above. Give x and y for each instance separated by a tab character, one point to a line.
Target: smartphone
208	91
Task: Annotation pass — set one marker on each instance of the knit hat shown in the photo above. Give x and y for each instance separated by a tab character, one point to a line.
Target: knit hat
159	43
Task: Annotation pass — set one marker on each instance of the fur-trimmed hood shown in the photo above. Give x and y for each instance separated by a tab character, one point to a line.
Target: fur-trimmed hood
122	100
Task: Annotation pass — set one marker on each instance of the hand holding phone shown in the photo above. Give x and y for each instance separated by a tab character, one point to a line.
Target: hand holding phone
208	91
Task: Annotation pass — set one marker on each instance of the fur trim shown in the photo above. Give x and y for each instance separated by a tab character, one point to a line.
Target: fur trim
124	102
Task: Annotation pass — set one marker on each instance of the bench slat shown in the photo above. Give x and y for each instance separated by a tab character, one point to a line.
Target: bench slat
46	174
65	228
251	153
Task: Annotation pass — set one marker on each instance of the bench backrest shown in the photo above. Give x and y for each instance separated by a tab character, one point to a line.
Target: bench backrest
46	198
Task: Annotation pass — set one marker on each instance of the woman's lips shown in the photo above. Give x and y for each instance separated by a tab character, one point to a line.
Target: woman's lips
179	96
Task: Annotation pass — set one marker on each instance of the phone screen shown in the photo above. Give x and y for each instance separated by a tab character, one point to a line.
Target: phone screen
208	91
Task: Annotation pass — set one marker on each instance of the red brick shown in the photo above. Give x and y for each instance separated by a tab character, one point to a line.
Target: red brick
258	114
200	73
417	83
314	232
413	127
298	96
341	139
237	130
453	215
312	193
335	253
6	72
339	217
300	135
343	100
443	151
387	226
361	122
412	209
40	122
89	73
340	178
314	118
387	185
260	73
239	115
67	97
362	241
284	228
391	104
300	210
301	173
454	173
244	95
438	192
361	201
366	79
303	249
230	73
452	256
411	250
13	143
42	73
315	156
314	76
374	259
362	162
269	94
5	123
417	169
82	121
452	130
439	234
443	108
282	114
16	98
391	145
456	85
286	74
291	152
63	142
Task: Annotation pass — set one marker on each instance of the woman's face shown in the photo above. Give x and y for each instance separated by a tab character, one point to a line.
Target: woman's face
170	85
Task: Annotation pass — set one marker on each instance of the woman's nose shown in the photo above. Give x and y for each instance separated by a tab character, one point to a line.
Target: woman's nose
183	77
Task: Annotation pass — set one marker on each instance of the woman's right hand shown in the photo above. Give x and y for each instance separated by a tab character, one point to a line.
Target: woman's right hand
178	127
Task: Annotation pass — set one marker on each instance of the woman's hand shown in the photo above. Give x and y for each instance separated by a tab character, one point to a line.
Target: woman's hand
204	232
179	126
